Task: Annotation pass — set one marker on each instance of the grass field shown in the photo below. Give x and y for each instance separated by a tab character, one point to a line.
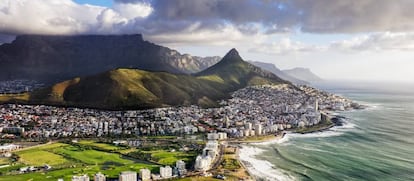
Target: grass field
164	157
91	156
4	161
102	146
67	173
41	157
68	160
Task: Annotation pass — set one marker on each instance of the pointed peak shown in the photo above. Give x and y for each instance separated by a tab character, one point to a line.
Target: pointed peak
233	51
232	56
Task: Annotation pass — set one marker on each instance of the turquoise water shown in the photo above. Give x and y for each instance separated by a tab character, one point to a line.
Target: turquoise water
376	144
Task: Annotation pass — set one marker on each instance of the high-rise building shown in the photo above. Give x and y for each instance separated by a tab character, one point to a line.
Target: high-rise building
166	172
258	129
222	136
128	176
99	177
248	126
145	174
180	165
80	178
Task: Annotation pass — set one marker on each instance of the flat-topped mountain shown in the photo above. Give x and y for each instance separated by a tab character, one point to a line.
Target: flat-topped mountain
138	89
55	58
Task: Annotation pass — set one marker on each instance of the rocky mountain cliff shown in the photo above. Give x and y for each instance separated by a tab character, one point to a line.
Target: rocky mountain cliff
56	58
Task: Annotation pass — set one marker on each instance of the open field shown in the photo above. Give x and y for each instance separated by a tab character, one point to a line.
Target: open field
163	157
91	156
102	146
169	158
67	173
41	157
4	161
68	160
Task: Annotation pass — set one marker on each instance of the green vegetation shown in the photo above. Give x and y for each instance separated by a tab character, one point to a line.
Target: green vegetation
100	146
93	157
41	157
163	157
4	161
230	163
73	159
139	89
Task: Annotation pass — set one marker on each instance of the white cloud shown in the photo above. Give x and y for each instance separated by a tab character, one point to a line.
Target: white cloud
285	46
377	42
386	41
132	11
66	17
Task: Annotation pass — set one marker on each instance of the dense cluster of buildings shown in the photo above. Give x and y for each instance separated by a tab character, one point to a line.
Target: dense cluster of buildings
252	111
18	86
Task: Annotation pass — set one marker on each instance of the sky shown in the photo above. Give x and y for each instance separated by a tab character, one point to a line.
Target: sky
369	40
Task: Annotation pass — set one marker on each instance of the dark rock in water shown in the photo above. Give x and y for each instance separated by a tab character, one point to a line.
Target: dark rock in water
338	121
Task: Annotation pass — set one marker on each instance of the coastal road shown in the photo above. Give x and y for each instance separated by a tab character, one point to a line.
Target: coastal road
219	158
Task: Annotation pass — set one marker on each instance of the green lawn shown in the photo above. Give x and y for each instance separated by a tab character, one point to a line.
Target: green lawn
41	157
91	156
164	157
103	146
4	161
72	160
67	173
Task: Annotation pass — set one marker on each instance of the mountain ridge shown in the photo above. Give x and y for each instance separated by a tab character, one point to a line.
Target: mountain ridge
275	70
125	88
53	58
303	74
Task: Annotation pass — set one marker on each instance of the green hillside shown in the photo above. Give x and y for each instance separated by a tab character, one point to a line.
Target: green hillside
139	89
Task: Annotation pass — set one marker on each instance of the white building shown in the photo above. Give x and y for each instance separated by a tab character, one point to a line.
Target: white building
8	148
248	126
166	172
80	178
128	176
202	163
212	136
222	136
180	165
258	129
144	174
99	177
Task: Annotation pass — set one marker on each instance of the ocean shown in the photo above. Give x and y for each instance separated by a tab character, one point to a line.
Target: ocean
376	143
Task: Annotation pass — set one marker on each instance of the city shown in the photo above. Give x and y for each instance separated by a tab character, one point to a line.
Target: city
251	112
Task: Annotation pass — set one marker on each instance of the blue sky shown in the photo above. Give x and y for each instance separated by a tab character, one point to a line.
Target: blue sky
336	39
107	3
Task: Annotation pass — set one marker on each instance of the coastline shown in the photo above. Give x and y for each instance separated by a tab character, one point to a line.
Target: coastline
260	169
263	169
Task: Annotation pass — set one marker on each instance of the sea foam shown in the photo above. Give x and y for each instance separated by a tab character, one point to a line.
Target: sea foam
261	169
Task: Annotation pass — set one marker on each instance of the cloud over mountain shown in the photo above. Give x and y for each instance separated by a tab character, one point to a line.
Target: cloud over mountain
218	22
